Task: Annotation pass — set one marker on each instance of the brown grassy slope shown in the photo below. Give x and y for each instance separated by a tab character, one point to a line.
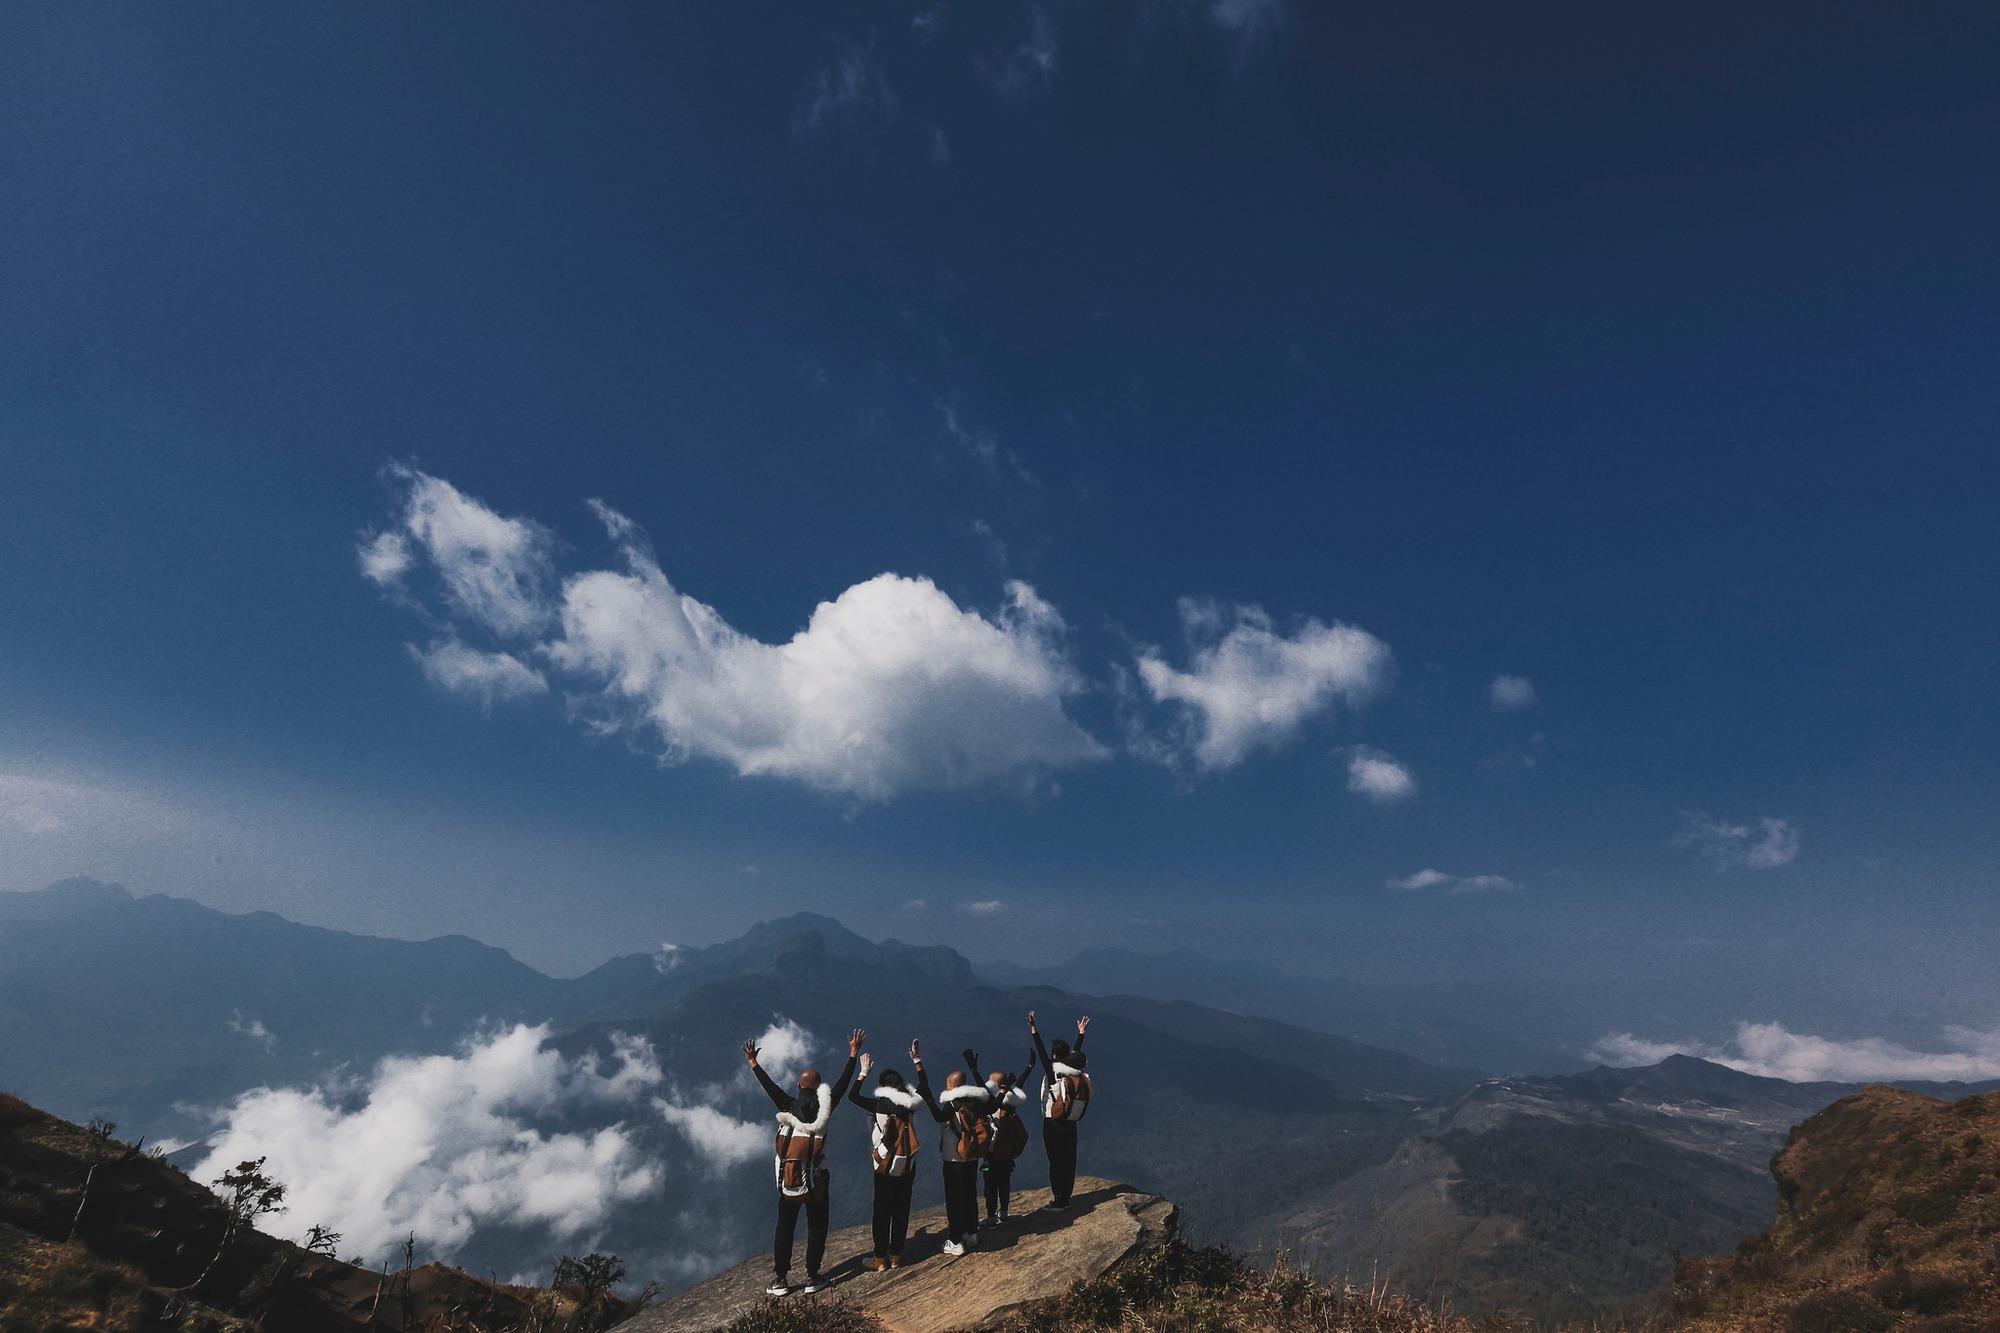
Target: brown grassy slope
146	1233
1888	1217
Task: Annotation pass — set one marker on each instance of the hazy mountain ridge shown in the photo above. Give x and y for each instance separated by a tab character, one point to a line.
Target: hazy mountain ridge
1433	1024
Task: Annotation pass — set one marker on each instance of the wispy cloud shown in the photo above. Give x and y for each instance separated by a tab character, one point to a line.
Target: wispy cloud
851	83
254	1029
1025	71
445	1144
984	907
1773	1051
1247	686
983	448
1453	884
457	668
1250	25
1377	775
891	686
1768	843
1511	694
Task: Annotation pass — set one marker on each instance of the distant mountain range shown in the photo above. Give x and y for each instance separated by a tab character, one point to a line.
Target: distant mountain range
1558	1194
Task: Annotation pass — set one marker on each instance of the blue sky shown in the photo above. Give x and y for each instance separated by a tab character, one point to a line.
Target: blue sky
1236	390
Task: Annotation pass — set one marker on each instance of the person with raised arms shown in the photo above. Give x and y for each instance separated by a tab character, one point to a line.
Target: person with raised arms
1065	1098
964	1136
801	1163
1010	1137
893	1154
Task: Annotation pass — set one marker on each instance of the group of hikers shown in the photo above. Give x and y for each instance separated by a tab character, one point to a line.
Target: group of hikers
981	1132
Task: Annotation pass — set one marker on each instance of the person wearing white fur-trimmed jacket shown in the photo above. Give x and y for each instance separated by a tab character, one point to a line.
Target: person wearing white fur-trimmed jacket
892	1152
1065	1098
801	1163
964	1134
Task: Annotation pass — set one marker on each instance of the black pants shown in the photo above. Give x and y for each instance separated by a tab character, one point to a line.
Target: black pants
892	1212
961	1199
788	1222
1059	1138
999	1186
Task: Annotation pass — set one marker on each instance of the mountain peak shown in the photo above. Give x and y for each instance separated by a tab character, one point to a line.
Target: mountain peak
64	898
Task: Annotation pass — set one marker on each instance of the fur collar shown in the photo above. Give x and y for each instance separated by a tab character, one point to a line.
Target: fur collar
902	1097
1012	1098
1062	1069
963	1093
786	1120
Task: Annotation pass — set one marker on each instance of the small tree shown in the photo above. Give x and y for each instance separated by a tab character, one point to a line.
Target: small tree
248	1194
588	1282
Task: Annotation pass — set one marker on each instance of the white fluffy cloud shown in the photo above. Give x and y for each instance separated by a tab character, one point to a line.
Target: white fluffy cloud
984	907
1378	776
890	686
1764	845
1249	687
1773	1051
1455	884
441	1145
1510	694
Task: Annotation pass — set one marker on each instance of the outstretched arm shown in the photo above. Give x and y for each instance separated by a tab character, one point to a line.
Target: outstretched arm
938	1113
779	1098
1041	1050
972	1063
1082	1026
854	1094
847	1074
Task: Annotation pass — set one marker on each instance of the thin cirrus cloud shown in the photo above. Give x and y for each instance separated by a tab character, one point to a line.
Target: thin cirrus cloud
443	1145
891	686
1247	686
1766	844
1453	884
852	84
1771	1050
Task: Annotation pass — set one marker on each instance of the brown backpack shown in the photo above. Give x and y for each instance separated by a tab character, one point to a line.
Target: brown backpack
895	1145
1068	1097
801	1161
1010	1134
975	1133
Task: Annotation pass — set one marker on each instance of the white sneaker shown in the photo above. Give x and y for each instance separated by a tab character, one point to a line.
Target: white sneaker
778	1289
812	1285
953	1248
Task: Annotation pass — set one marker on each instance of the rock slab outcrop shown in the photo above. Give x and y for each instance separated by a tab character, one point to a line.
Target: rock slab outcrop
1038	1254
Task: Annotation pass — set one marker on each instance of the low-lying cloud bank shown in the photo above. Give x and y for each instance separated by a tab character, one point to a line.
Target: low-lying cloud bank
1772	1051
442	1145
891	686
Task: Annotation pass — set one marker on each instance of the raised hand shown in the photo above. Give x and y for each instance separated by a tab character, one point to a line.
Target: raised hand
971	1057
750	1051
1082	1026
1031	1023
867	1063
854	1041
915	1059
